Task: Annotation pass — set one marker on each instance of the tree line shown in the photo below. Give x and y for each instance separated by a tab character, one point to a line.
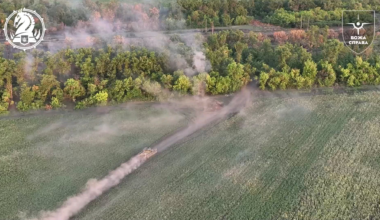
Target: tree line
189	13
91	77
301	59
114	74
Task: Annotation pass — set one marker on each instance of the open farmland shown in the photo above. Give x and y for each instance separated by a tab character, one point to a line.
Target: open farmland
44	159
289	157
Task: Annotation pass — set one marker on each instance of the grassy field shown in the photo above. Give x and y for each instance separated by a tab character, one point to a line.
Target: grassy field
44	159
289	157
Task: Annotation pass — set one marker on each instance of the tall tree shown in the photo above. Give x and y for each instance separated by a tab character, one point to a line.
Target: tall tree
74	89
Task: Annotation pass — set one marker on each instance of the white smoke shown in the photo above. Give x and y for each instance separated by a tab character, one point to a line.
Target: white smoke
201	64
93	190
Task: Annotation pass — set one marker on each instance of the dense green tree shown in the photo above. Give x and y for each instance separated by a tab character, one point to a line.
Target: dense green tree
30	98
360	73
74	89
238	76
182	84
4	102
297	5
167	81
239	47
282	18
227	20
264	77
296	79
49	87
118	91
222	85
7	70
101	98
267	53
313	36
309	72
326	75
284	52
331	50
55	103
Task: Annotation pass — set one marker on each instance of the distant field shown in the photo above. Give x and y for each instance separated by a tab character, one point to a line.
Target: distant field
282	158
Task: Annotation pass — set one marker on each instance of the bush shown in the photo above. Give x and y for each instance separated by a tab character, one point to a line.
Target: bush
283	18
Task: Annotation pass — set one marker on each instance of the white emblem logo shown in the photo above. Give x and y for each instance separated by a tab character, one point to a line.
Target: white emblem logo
358	25
358	29
24	34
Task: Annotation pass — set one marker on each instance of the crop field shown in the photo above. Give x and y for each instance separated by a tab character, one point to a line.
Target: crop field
44	159
283	157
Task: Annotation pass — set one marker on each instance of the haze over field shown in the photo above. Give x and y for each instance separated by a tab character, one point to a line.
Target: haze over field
95	188
189	109
240	157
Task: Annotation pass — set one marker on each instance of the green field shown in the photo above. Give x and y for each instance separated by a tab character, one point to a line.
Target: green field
288	157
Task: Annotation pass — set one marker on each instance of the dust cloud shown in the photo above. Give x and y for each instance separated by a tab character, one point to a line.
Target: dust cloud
93	190
204	119
96	188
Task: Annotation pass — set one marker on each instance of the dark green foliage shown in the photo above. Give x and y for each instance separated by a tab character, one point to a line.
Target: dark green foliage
205	14
284	66
208	14
93	77
360	73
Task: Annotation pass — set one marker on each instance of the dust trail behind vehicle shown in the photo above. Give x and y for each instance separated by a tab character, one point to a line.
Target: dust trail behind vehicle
204	119
95	188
